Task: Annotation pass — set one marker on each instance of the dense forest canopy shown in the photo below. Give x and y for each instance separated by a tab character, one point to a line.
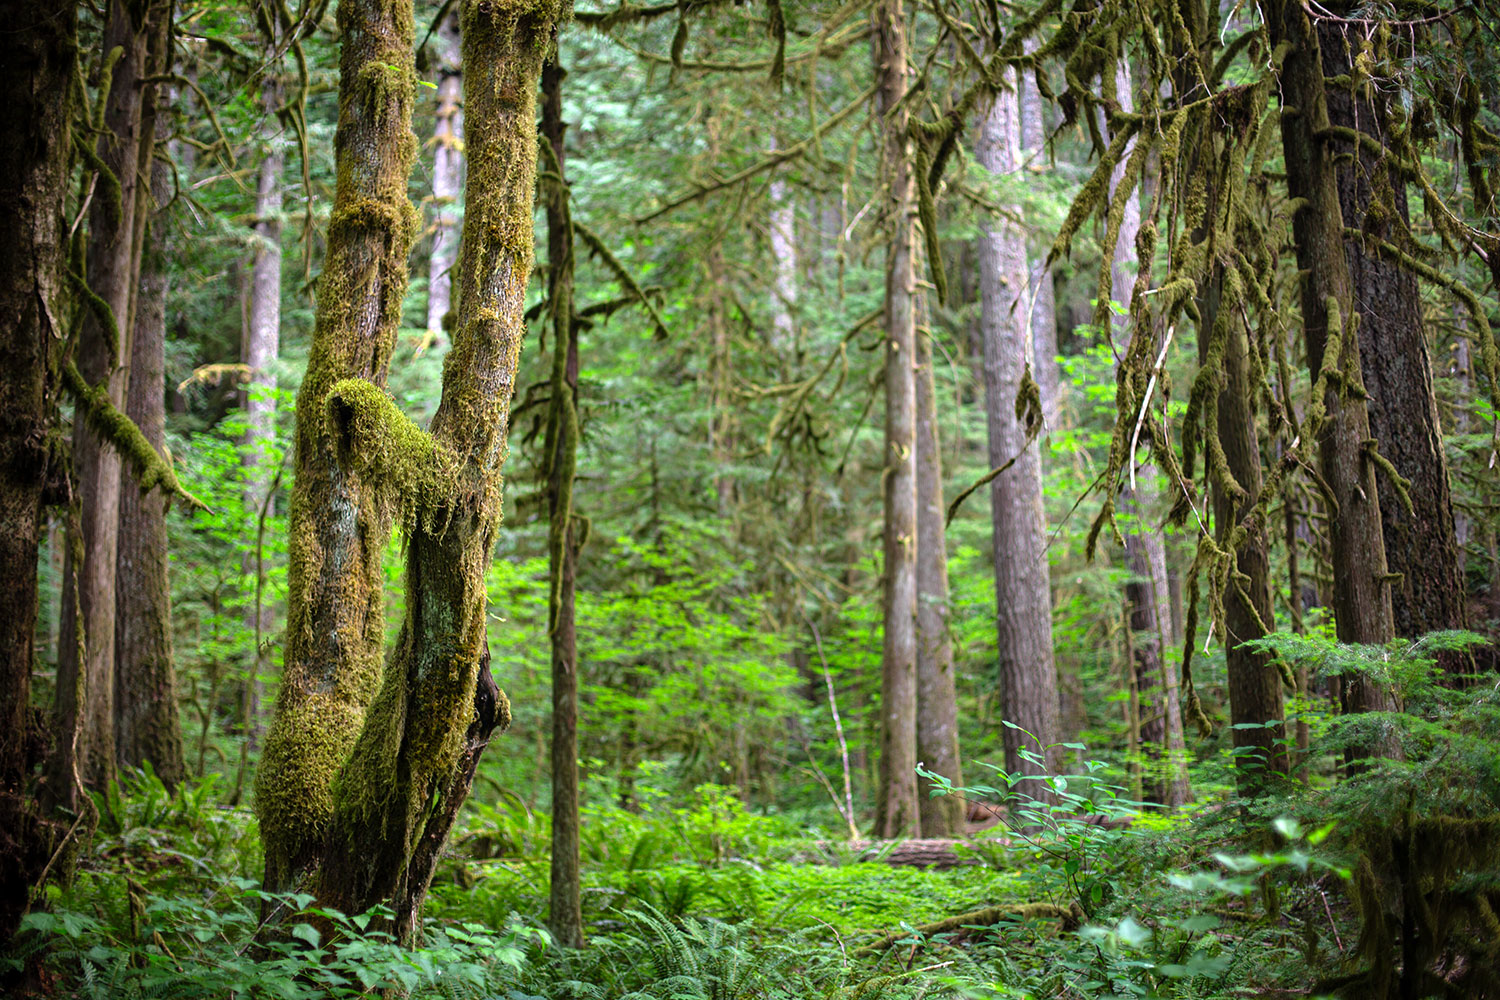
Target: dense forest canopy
791	499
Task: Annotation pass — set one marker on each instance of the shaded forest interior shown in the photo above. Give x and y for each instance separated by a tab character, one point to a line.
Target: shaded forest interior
886	499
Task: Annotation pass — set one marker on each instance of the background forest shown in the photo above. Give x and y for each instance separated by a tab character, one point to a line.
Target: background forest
998	501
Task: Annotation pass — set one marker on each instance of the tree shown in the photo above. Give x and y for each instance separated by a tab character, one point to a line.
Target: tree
85	679
1416	518
447	173
36	85
1023	598
363	819
563	541
897	812
937	702
147	726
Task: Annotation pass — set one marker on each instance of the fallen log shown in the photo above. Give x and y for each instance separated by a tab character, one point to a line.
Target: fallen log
1069	918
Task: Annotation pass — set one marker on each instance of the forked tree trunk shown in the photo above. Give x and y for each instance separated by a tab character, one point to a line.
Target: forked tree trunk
565	918
447	174
896	810
36	78
147	724
340	516
1421	544
937	698
1361	591
394	797
85	671
1023	599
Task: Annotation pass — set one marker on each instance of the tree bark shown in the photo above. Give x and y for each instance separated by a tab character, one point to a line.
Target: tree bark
447	174
147	724
1028	677
1361	595
565	919
896	811
36	85
1044	309
1421	544
937	699
85	672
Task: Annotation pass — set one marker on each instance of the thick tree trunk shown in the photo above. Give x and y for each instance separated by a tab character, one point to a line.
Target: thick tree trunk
416	754
897	813
147	725
1361	594
262	346
1421	545
447	174
1028	678
36	78
341	517
937	699
85	672
565	918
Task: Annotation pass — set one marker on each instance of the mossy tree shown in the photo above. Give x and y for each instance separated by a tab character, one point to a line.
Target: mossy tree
365	768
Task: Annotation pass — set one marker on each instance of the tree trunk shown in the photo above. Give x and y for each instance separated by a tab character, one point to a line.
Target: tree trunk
937	700
1361	595
1421	544
784	257
416	755
340	517
1146	593
565	919
36	78
85	672
147	725
1028	677
262	346
896	811
447	174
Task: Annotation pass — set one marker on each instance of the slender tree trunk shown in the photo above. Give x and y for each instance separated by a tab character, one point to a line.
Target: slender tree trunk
1028	677
937	699
85	673
447	174
897	813
1146	594
566	914
1361	595
147	725
1421	544
340	517
262	346
784	256
36	79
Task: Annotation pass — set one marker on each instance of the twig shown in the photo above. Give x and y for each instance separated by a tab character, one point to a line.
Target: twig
838	729
1135	436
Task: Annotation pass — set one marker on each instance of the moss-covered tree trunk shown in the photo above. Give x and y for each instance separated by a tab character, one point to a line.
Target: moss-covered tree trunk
937	697
1420	543
85	671
36	87
1361	591
565	918
340	518
896	811
147	724
1044	310
1023	596
393	797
